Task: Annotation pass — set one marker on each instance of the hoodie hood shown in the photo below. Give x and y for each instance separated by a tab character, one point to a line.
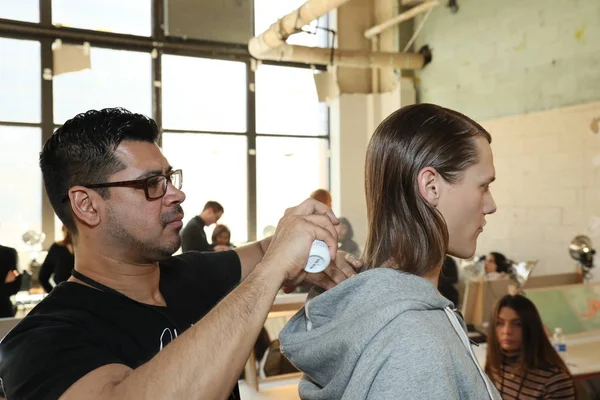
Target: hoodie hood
332	329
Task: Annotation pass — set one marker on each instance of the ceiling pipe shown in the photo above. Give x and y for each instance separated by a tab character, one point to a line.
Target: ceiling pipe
347	58
271	45
289	24
405	16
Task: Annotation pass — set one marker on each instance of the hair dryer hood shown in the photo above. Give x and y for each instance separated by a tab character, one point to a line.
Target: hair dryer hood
32	238
582	251
520	271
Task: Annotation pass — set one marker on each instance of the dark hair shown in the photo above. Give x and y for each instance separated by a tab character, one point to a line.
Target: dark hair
213	205
350	234
502	264
321	195
536	350
82	152
403	227
218	230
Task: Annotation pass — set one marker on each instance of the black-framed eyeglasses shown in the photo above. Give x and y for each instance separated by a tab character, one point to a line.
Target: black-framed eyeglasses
154	186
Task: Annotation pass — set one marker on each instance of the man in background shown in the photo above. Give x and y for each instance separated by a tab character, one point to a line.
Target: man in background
193	235
10	280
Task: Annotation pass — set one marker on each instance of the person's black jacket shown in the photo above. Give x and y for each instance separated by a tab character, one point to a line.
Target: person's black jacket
193	236
8	262
448	278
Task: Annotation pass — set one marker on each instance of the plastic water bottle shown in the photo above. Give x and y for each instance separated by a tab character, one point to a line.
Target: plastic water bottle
558	341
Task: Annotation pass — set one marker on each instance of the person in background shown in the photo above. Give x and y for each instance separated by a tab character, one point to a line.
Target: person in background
520	359
193	236
388	333
59	262
221	237
345	235
10	280
448	278
496	266
323	196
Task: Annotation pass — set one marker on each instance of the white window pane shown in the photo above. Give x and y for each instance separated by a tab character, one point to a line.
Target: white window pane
288	170
20	81
121	16
287	103
117	79
203	94
21	204
266	12
214	168
20	10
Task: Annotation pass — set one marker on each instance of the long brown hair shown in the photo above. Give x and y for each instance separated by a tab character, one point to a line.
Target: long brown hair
536	350
403	227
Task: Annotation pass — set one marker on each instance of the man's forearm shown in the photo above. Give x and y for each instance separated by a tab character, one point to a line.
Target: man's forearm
206	361
251	254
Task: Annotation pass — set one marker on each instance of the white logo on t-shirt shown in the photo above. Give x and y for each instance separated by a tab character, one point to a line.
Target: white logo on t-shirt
167	337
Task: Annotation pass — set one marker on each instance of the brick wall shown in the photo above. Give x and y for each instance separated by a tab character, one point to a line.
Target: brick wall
548	187
497	58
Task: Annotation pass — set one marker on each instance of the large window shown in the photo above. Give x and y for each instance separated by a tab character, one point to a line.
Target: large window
20	10
119	16
116	79
288	170
255	141
20	99
21	200
214	168
203	94
287	103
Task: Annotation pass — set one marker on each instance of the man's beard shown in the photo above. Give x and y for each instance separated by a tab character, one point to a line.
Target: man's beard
151	252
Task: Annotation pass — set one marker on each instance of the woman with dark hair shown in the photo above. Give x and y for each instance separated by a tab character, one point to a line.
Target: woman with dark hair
496	266
59	262
221	237
345	235
520	359
388	333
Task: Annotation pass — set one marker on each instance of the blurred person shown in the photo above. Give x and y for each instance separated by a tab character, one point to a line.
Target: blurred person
323	196
497	266
520	360
449	278
221	237
10	280
193	235
58	263
345	235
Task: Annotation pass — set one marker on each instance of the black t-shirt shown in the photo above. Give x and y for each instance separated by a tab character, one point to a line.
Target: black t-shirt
77	329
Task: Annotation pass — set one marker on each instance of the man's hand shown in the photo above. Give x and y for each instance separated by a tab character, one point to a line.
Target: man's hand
288	251
344	267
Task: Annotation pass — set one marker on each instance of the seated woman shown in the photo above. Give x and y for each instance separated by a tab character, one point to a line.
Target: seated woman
345	235
520	359
496	266
58	263
221	237
388	333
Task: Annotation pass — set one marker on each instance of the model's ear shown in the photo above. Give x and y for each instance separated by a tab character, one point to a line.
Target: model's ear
429	185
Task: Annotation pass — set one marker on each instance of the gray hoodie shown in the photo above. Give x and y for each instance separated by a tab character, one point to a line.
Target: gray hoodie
383	334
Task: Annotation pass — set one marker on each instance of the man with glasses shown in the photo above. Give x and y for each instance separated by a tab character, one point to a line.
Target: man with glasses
133	321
